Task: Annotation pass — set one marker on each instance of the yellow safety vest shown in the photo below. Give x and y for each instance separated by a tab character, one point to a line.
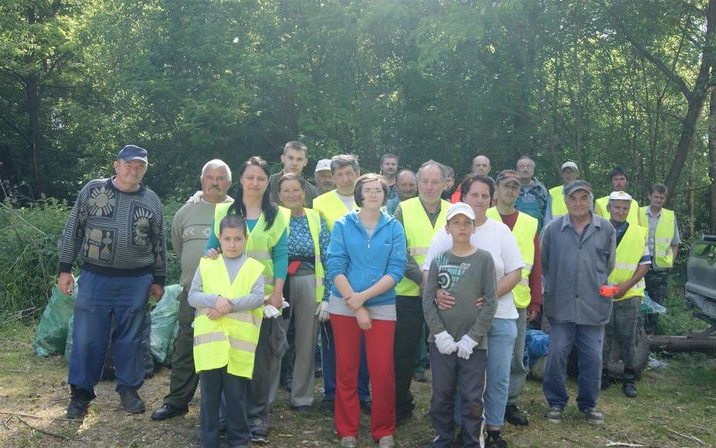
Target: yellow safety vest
260	240
330	206
419	232
601	210
525	230
314	225
663	236
629	252
559	207
231	339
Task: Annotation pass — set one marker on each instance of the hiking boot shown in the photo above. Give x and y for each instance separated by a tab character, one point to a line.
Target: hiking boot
494	440
259	435
130	401
348	442
554	414
629	389
167	411
386	442
594	417
78	403
514	416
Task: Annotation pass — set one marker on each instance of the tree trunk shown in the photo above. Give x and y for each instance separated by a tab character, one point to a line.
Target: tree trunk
681	344
712	162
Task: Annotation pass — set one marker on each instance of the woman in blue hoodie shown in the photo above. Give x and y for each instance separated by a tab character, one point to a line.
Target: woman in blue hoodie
366	259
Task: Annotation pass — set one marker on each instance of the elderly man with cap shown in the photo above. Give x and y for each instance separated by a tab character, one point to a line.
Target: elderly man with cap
191	227
323	177
528	292
294	159
555	202
632	263
578	254
619	182
116	229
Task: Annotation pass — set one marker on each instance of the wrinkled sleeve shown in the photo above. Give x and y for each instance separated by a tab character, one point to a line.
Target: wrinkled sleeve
73	235
489	289
430	308
398	256
279	255
337	262
213	242
324	239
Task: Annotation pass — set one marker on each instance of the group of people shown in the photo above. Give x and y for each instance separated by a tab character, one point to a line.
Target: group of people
369	262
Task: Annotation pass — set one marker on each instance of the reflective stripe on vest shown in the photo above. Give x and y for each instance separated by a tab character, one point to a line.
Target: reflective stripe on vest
600	208
629	252
525	230
314	225
330	207
559	207
419	232
260	240
663	236
231	339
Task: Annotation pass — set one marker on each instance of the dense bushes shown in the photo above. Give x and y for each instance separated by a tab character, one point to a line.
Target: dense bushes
29	241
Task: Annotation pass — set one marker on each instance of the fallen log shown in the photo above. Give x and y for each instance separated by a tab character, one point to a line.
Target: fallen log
682	344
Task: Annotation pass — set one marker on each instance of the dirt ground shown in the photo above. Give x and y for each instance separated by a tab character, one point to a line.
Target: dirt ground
676	407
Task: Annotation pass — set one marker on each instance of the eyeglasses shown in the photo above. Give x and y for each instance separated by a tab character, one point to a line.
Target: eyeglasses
376	192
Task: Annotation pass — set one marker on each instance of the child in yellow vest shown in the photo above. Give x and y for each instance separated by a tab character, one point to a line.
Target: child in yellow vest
228	294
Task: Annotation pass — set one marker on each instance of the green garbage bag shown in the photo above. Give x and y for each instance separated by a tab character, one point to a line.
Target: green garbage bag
164	326
52	330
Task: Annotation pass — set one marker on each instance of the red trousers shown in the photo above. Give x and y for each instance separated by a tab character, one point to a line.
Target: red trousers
379	351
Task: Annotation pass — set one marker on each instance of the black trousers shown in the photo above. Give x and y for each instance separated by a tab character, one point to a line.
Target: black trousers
408	330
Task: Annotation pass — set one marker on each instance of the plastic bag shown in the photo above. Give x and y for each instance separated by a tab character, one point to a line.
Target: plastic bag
51	332
164	326
536	346
650	307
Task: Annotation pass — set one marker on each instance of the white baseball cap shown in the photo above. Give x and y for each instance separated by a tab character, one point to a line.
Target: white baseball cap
572	165
323	165
460	208
620	196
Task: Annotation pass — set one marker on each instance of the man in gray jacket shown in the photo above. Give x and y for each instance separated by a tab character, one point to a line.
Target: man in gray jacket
578	253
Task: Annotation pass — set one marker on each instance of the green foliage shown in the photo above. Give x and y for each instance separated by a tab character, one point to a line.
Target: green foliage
30	239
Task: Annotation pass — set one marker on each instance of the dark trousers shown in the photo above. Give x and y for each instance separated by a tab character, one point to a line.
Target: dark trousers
622	328
328	356
466	377
657	285
408	328
101	300
183	379
214	383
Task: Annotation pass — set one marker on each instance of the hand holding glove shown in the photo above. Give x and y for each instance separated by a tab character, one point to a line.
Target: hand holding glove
465	346
271	311
445	343
322	312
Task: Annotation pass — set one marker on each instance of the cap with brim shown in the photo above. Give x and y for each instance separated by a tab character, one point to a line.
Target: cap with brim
460	208
508	176
132	152
572	165
620	196
323	165
578	185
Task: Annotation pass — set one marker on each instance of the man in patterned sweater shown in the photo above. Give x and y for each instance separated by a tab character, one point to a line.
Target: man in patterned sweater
116	228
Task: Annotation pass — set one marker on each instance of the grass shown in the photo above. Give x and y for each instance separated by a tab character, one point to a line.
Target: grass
675	408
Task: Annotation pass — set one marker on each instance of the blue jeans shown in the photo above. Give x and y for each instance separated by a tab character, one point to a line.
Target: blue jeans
328	355
100	300
500	344
589	340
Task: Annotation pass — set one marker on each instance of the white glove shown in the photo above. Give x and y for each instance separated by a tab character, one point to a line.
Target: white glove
322	312
465	346
445	343
271	311
285	304
195	198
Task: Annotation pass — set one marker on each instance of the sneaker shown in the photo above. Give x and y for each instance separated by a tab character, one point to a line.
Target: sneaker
594	417
77	407
348	442
554	414
386	442
494	440
259	435
629	389
514	416
130	401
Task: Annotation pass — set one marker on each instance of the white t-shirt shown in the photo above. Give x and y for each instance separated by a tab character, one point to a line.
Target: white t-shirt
496	238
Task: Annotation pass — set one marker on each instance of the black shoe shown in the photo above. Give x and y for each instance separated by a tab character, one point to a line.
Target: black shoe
514	416
167	411
328	404
494	440
303	410
130	401
366	406
629	389
77	407
606	380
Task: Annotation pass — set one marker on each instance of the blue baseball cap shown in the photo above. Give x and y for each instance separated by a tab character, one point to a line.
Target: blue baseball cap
132	152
